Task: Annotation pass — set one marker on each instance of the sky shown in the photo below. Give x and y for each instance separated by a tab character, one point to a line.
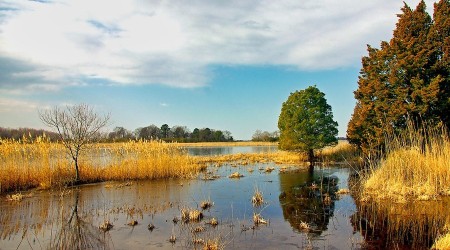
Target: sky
225	64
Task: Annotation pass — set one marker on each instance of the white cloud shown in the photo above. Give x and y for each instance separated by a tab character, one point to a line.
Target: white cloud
62	43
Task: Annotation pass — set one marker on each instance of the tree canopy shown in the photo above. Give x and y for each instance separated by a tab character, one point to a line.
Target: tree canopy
405	79
306	122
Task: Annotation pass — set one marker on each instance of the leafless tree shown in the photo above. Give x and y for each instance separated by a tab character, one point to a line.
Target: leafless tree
77	126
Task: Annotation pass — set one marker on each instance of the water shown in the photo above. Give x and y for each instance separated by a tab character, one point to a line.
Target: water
68	218
210	151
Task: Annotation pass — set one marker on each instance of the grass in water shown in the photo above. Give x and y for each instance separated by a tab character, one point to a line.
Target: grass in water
416	166
35	163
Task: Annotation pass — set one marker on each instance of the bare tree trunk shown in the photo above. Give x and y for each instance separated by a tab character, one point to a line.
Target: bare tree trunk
77	172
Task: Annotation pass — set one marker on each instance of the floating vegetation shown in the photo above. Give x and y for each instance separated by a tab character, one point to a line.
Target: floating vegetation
343	191
17	197
198	229
132	223
213	244
198	241
150	227
206	204
192	215
257	199
269	169
258	219
106	226
236	175
172	239
213	222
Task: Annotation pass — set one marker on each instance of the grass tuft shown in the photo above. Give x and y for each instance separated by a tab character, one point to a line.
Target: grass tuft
416	167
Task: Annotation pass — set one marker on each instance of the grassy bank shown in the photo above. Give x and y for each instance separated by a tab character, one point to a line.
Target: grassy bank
416	166
29	164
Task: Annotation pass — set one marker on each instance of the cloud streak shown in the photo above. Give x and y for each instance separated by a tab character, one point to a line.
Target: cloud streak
51	45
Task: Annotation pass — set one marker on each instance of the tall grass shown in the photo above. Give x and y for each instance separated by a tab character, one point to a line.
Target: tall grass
28	164
342	152
416	165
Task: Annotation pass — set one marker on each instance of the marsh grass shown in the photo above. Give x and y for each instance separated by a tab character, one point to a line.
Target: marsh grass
342	152
27	163
442	242
416	166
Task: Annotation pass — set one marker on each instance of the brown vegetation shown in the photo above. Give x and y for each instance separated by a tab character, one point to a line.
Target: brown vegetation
416	166
39	163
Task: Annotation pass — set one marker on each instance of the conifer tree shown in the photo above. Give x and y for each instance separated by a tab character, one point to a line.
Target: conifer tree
407	78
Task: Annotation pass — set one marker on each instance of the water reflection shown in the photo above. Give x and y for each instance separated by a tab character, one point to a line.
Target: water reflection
401	226
210	151
308	206
76	230
69	218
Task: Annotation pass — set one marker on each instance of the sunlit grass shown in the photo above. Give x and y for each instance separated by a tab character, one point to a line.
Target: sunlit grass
342	152
28	164
416	166
443	242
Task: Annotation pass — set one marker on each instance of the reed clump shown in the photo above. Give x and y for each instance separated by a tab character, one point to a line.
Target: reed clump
442	242
416	166
342	152
31	163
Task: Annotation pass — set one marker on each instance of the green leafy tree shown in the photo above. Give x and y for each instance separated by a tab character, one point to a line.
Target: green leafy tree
407	78
306	123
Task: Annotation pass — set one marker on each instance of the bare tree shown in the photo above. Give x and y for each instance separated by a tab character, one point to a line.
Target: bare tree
77	126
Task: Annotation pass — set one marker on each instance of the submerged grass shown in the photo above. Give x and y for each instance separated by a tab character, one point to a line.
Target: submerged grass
28	164
416	166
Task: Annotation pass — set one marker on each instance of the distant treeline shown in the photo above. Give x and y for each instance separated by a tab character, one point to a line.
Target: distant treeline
152	132
29	133
266	136
167	133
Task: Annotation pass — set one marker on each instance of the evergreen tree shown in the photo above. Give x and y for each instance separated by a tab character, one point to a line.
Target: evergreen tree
306	122
406	78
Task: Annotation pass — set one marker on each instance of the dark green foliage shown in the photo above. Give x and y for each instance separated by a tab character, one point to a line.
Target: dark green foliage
306	122
406	79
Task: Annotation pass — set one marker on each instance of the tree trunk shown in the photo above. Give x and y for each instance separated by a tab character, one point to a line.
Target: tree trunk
77	172
311	160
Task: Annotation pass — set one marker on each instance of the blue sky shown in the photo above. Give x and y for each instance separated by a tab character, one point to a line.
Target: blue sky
225	65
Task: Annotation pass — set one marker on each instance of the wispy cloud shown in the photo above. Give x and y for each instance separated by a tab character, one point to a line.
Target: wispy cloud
163	104
53	44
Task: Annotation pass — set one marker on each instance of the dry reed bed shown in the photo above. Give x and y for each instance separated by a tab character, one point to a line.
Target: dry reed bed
416	166
28	164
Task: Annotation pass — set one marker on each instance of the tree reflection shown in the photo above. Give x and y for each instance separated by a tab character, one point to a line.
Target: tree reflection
307	201
76	231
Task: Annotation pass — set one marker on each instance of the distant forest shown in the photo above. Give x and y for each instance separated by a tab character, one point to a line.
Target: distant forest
151	132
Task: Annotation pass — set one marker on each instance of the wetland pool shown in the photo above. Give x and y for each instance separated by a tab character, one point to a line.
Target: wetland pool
71	217
300	210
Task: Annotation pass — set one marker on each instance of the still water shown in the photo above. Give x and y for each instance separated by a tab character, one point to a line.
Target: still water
209	151
70	218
